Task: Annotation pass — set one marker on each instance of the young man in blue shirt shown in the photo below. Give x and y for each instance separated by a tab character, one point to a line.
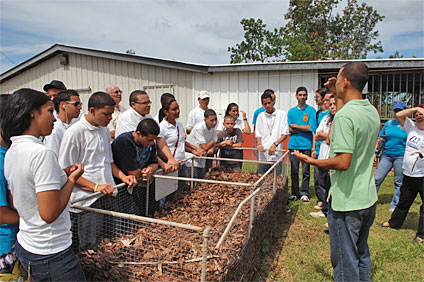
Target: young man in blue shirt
302	125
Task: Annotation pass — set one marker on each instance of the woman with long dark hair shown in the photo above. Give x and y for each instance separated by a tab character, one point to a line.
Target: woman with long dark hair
40	189
233	110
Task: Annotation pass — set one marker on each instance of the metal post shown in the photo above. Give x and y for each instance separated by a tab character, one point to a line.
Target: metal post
147	197
192	174
252	214
205	252
274	185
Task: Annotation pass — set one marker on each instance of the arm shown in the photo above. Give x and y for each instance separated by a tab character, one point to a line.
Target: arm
259	145
402	115
340	162
7	215
129	179
145	173
165	154
273	148
321	135
331	85
246	128
208	145
299	128
52	203
190	148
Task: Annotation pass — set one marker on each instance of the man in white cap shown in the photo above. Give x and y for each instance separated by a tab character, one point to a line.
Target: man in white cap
197	115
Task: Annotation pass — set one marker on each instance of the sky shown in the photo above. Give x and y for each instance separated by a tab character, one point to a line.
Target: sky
196	31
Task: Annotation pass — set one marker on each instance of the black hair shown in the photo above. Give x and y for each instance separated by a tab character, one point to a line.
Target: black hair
229	107
322	91
16	114
148	126
331	117
266	96
63	96
100	100
166	99
357	74
135	94
301	88
229	116
209	113
3	105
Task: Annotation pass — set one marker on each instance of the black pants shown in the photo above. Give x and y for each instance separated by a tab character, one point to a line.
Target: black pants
410	188
324	188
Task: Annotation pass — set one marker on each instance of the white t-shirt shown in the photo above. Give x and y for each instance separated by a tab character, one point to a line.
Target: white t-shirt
195	117
270	127
116	113
324	149
53	140
31	168
171	133
89	145
128	121
239	124
413	164
201	135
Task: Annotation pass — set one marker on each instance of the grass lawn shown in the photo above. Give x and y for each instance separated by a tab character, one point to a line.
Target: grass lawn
302	252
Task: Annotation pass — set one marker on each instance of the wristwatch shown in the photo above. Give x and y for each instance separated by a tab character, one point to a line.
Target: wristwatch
276	144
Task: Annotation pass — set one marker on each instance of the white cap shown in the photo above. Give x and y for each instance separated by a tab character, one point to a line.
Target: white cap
203	94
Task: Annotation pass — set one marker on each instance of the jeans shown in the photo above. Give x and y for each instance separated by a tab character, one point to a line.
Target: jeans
294	173
385	165
350	255
62	266
410	188
324	184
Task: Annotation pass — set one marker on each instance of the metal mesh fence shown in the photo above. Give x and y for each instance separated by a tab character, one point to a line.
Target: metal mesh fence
114	241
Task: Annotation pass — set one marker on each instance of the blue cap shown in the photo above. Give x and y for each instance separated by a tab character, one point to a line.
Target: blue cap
399	105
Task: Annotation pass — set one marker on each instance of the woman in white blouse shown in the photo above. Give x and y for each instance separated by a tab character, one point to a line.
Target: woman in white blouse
40	189
233	110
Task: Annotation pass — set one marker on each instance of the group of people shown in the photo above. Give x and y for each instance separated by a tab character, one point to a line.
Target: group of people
52	155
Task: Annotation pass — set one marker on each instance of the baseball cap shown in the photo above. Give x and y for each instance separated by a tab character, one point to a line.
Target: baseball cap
399	105
203	94
54	84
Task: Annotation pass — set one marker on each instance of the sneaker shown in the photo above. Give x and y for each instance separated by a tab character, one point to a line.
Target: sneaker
293	198
418	240
391	210
318	206
326	224
317	214
304	199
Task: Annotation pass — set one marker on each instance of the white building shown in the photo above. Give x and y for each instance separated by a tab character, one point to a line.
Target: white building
89	70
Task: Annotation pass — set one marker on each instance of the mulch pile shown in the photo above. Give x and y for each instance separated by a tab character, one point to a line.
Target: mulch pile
158	252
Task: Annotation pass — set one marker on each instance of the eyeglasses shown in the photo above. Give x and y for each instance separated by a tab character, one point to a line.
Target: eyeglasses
117	92
76	104
144	103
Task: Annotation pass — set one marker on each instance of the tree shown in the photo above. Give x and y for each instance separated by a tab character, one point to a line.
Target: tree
314	33
259	45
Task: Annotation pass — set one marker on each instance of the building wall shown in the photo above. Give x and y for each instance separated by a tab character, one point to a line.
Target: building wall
95	73
246	88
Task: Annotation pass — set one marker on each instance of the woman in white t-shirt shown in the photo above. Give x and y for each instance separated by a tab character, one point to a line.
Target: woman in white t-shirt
413	171
233	110
40	189
322	134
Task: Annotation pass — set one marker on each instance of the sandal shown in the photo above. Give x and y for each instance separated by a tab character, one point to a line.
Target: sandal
383	224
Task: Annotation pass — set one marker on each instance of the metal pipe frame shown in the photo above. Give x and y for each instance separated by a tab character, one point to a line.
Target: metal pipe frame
205	252
203	180
140	218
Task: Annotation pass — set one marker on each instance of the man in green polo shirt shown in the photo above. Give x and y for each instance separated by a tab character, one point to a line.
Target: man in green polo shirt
352	196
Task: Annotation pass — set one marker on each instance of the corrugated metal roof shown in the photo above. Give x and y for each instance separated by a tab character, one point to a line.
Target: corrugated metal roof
399	63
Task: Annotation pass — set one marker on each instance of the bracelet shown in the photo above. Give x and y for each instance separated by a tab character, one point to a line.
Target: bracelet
245	119
259	145
95	188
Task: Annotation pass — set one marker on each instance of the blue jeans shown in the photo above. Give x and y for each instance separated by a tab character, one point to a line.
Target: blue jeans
385	165
62	266
294	174
350	255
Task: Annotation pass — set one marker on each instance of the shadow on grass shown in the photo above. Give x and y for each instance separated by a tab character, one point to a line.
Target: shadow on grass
271	249
320	269
385	198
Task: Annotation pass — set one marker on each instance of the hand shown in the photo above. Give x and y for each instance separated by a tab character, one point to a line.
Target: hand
331	84
243	113
271	150
210	151
300	156
174	164
198	152
74	172
146	173
112	134
105	189
167	168
130	180
314	154
261	148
